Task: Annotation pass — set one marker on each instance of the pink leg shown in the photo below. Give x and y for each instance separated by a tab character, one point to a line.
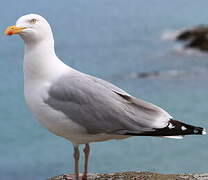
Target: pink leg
76	161
86	153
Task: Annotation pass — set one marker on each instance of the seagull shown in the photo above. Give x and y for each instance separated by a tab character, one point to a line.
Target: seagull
81	107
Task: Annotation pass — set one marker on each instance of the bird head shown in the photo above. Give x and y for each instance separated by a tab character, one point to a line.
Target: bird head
31	28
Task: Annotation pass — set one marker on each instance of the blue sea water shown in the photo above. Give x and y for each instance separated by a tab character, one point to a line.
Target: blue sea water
114	40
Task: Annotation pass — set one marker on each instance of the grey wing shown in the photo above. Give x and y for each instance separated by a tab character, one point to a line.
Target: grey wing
101	107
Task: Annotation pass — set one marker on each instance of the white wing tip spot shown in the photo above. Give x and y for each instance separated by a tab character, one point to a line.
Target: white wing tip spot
204	132
183	128
196	131
170	126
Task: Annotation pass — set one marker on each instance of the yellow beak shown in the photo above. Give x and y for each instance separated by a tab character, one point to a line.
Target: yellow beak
13	30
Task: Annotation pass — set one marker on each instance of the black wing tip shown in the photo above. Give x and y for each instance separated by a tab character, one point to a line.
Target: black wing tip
186	129
174	128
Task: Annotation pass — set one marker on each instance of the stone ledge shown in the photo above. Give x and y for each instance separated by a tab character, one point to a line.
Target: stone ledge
140	176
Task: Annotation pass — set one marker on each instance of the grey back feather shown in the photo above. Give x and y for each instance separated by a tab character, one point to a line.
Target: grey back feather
101	107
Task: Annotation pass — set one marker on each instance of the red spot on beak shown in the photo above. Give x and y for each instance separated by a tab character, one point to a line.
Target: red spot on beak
9	33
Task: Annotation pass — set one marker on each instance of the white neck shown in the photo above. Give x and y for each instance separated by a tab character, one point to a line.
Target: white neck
41	62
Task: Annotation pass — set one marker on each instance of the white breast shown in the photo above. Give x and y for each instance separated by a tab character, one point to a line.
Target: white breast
55	121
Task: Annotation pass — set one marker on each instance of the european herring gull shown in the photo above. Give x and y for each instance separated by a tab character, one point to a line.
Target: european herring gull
80	107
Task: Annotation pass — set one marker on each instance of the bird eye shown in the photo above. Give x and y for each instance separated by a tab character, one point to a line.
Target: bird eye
33	21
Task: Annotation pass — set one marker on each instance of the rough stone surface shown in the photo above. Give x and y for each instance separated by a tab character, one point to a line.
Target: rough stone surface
139	176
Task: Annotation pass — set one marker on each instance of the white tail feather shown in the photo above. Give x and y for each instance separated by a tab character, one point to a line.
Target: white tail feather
173	137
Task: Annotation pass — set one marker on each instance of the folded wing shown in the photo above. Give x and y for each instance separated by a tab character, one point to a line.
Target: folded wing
101	107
